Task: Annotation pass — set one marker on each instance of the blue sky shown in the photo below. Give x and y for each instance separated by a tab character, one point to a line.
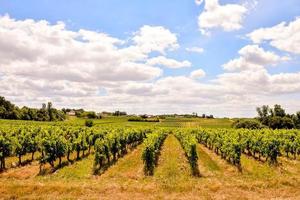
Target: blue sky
124	19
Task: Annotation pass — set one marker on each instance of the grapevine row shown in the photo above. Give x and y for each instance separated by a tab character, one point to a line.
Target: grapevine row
151	150
189	144
223	141
265	143
55	142
115	144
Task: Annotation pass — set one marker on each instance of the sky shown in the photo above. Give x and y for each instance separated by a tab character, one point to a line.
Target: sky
220	57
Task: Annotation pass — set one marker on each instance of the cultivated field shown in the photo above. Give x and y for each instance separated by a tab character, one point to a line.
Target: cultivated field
149	160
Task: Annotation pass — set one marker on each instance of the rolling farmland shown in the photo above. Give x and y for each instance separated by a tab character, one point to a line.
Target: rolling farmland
128	160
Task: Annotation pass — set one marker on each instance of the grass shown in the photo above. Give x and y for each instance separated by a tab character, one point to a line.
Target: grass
123	121
197	122
82	169
256	169
206	161
173	168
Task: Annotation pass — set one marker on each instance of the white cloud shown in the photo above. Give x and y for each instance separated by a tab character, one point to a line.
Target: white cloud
167	62
229	17
156	38
39	59
197	74
195	49
252	57
42	62
41	51
198	2
283	36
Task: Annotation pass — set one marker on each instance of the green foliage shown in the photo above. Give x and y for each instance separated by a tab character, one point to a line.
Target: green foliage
140	119
5	149
189	144
89	123
264	143
46	113
281	123
277	118
151	150
116	143
84	114
224	142
248	124
296	119
54	141
119	113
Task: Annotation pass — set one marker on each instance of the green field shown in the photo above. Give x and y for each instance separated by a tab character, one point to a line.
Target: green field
172	179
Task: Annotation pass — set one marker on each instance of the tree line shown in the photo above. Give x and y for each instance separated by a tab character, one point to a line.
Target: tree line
268	117
277	118
46	113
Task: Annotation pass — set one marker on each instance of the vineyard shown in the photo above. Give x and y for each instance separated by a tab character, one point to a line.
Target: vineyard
145	158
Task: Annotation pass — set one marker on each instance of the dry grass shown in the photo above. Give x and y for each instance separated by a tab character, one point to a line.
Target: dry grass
172	179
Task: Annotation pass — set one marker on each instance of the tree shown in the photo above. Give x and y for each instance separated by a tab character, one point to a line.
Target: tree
119	113
296	119
263	114
281	123
248	124
50	111
278	111
91	115
2	112
7	109
276	118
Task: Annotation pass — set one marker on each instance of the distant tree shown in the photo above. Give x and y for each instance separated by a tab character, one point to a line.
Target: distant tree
44	107
209	116
276	118
50	111
79	113
296	119
278	111
281	123
144	116
248	124
46	113
119	113
7	109
263	114
91	115
3	112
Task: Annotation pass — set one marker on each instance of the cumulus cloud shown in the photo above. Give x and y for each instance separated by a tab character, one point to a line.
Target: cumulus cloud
167	62
37	53
42	62
229	17
195	49
253	57
150	38
284	36
197	74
